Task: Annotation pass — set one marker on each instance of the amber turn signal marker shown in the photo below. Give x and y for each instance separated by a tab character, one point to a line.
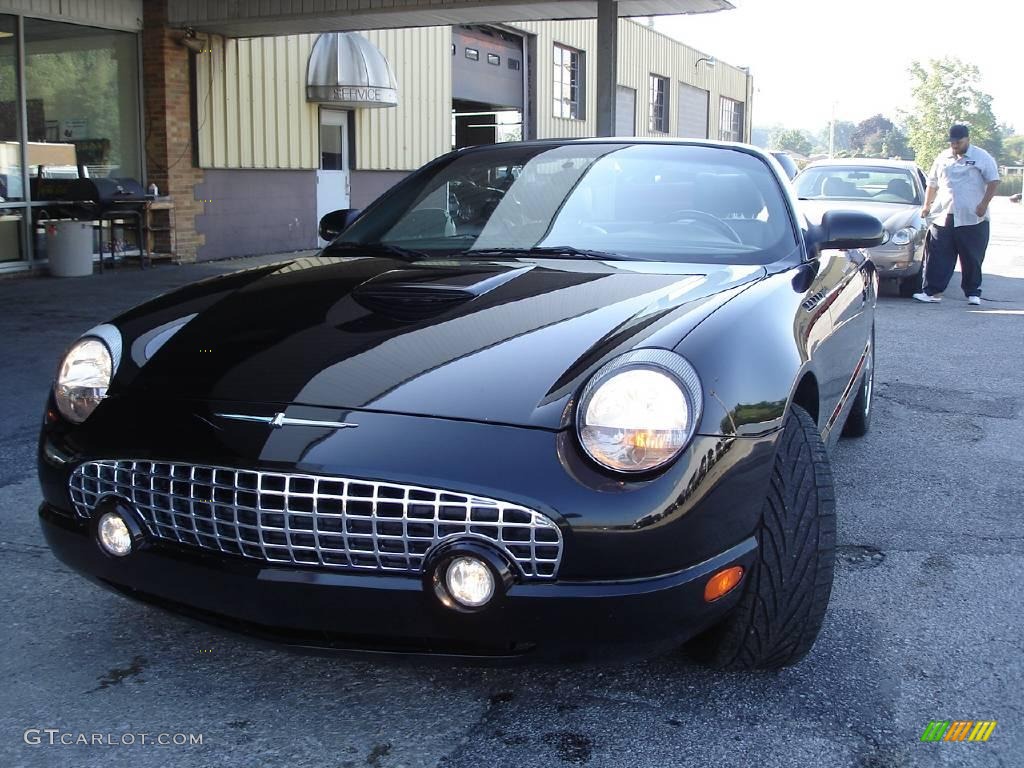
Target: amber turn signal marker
722	583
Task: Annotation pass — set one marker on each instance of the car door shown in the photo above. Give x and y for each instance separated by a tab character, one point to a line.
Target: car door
851	312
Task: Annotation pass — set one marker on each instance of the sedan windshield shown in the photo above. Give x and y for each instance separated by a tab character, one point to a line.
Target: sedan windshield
587	200
863	183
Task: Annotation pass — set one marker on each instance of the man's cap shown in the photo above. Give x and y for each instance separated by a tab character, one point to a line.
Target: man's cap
959	131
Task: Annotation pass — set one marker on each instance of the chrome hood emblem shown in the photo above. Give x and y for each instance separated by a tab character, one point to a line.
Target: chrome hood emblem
279	420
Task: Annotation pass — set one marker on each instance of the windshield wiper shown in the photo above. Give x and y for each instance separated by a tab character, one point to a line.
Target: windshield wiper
558	251
375	249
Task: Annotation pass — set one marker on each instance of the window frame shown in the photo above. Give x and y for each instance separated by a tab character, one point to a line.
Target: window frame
575	69
658	109
731	111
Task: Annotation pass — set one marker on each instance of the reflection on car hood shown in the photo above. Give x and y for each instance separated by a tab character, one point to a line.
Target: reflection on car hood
506	341
893	216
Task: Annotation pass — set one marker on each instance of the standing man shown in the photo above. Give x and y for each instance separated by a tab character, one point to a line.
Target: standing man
961	184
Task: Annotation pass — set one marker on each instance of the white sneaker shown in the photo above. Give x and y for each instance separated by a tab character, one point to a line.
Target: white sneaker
975	300
927	299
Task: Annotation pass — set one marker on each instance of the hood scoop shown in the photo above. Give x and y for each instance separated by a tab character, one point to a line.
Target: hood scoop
412	295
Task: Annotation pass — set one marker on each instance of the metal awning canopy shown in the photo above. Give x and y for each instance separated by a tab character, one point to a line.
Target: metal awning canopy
348	70
238	18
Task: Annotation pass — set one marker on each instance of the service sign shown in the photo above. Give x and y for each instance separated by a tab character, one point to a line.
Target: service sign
355	96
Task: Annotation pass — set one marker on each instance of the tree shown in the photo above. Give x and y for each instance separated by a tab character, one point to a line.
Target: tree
792	139
946	92
868	134
878	136
1013	151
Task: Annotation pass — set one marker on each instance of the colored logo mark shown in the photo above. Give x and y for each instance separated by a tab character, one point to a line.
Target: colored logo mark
958	730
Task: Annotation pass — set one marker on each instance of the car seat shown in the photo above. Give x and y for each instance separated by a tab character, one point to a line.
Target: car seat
900	188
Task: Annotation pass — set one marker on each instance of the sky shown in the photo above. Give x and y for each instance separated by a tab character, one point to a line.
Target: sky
806	55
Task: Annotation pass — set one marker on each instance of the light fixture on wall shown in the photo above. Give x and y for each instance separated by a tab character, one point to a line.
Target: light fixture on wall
709	59
190	41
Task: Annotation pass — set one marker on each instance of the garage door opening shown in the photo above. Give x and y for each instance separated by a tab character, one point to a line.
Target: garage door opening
488	71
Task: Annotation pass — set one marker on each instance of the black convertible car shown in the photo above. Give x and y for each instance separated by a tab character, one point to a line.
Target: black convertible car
540	399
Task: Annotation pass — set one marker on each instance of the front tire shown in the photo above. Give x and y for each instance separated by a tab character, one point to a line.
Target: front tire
787	589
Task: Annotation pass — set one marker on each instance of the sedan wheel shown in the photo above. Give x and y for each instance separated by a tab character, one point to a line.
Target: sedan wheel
787	591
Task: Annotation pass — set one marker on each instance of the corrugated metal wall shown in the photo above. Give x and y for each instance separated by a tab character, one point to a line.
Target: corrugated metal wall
574	34
252	110
117	14
642	52
420	127
251	104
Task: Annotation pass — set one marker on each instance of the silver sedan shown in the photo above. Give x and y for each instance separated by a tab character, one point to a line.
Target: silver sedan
890	190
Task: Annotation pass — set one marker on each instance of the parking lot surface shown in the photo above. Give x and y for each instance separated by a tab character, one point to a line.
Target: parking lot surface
925	621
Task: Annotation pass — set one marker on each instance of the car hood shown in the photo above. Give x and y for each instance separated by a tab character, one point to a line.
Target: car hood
893	217
507	341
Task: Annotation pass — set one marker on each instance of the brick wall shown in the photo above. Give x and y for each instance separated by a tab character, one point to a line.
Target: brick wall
167	124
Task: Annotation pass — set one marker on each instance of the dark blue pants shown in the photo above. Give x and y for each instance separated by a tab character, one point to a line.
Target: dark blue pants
943	246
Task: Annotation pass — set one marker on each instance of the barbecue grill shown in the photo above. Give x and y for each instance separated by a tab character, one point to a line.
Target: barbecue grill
99	199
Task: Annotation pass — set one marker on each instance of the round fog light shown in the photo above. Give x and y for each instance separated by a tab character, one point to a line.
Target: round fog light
114	535
469	581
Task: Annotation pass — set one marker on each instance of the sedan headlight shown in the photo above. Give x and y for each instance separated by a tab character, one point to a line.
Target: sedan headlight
903	236
86	372
639	411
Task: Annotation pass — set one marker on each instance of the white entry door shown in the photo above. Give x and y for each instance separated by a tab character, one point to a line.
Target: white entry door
332	178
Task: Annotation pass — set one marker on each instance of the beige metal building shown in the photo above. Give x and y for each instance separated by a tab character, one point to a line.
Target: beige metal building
253	113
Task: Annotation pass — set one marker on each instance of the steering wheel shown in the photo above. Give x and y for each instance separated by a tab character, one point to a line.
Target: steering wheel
715	222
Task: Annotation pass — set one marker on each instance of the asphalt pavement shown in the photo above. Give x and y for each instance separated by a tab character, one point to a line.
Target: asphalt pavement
925	622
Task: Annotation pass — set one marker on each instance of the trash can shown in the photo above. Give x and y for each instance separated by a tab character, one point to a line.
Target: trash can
69	248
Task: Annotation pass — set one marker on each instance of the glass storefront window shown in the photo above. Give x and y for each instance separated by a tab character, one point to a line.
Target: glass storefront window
10	117
82	100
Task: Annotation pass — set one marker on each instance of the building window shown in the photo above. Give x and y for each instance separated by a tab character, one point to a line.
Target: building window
493	58
81	90
730	126
659	104
568	93
513	64
473	53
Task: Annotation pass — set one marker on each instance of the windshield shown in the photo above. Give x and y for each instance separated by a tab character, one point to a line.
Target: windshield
649	201
880	185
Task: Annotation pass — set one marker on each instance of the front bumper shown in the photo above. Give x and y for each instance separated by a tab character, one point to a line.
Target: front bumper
564	620
631	576
897	262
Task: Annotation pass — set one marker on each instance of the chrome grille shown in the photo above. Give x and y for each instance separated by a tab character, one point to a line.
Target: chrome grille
333	522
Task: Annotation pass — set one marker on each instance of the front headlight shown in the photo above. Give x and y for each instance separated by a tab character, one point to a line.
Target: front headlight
83	379
639	411
903	236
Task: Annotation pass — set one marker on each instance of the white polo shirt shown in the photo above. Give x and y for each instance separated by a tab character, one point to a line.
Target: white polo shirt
961	182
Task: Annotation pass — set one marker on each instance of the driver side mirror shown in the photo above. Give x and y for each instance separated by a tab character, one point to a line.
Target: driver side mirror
336	222
843	230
